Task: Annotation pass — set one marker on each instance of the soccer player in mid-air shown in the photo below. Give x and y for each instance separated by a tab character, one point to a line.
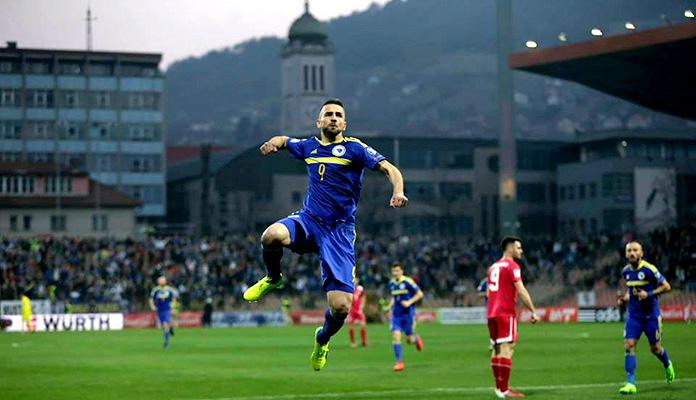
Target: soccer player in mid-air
644	283
326	223
161	298
357	316
405	293
504	283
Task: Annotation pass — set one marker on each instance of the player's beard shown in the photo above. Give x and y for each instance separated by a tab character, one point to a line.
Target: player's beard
330	133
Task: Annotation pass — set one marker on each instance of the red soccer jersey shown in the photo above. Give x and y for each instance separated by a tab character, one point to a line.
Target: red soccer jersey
502	294
358	295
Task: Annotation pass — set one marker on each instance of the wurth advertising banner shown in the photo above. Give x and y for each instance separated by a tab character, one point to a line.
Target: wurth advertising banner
550	314
69	322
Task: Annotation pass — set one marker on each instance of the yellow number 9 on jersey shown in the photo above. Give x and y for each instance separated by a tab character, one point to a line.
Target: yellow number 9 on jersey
322	169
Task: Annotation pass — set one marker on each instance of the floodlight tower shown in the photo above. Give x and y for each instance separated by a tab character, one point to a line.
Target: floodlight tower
507	143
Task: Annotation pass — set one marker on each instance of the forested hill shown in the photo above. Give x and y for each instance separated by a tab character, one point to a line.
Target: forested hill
416	67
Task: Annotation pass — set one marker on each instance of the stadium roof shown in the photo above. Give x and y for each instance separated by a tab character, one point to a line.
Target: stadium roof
653	68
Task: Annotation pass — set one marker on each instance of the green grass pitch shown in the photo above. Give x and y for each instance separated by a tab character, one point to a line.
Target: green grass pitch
552	361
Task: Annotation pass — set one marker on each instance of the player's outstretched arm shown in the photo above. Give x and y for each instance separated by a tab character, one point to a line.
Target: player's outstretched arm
526	299
398	199
152	305
273	144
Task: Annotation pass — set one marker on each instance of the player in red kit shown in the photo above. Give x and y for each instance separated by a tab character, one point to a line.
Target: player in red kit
357	316
504	283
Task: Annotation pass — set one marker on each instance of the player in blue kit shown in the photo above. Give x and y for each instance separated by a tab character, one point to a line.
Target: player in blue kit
161	298
644	283
405	293
326	223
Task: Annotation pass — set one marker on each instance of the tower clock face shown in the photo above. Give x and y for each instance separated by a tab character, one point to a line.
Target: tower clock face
310	111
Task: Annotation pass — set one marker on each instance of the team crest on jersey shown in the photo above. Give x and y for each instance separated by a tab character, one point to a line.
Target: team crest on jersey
339	150
641	276
402	286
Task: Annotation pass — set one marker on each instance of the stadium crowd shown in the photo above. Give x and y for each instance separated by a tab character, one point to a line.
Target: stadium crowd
92	271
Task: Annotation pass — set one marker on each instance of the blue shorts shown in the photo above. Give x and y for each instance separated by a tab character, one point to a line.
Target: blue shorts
164	316
335	245
652	326
405	324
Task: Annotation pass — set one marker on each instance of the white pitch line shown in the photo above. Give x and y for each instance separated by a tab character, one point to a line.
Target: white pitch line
390	393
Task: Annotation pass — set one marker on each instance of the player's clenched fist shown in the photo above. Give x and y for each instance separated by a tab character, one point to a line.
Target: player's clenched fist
398	201
268	148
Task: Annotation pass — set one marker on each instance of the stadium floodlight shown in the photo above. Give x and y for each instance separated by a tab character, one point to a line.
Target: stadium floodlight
596	32
531	44
630	26
562	37
689	13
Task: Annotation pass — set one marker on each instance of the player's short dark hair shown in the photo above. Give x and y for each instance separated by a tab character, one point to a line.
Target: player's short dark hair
508	240
397	265
337	102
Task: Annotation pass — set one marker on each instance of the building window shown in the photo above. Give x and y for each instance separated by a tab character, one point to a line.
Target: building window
321	78
531	192
100	69
10	156
582	191
100	223
71	130
422	191
100	131
142	101
58	223
142	133
40	130
306	78
618	186
52	184
456	191
571	192
10	129
102	100
40	157
296	198
40	98
38	67
593	190
13	223
9	97
8	67
17	185
314	78
27	222
134	69
617	219
70	67
593	225
562	193
72	99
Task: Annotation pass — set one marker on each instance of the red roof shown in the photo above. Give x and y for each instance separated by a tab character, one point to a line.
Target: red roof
109	198
36	168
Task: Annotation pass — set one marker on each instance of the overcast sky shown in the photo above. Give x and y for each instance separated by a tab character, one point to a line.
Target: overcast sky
175	28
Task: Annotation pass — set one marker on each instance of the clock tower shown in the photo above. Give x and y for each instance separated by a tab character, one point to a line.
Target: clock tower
308	74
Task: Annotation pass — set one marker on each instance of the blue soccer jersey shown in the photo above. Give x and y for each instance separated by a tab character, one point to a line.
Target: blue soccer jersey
403	289
163	296
645	277
335	172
